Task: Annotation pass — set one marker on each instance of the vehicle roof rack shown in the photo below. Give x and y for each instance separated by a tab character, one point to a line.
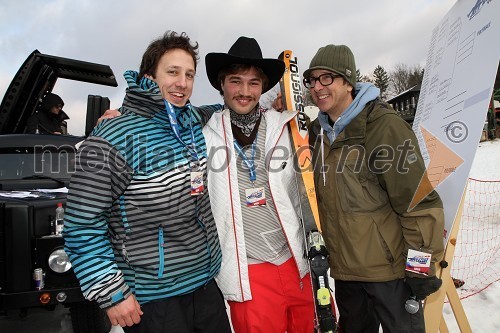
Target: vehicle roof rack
36	77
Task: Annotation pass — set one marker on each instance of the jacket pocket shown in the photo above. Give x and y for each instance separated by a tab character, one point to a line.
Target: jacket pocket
390	234
358	188
142	245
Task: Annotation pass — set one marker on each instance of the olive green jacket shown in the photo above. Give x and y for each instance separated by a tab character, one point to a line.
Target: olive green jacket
371	172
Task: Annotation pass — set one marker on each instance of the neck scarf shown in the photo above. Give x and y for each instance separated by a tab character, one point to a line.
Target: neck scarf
245	126
245	122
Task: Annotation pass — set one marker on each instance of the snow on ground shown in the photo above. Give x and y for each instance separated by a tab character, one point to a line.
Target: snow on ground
482	309
486	165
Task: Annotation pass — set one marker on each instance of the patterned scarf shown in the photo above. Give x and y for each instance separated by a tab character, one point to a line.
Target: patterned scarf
245	122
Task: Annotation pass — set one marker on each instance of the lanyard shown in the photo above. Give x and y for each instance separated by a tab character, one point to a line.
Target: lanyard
249	163
175	127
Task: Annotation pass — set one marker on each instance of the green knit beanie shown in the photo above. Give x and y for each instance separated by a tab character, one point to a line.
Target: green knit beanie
335	58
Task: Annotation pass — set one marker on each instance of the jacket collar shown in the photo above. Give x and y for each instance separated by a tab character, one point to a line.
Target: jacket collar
354	133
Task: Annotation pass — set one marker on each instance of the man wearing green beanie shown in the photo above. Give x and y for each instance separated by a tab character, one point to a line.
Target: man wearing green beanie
367	169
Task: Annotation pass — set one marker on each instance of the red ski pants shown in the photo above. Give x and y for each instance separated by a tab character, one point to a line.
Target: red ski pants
279	304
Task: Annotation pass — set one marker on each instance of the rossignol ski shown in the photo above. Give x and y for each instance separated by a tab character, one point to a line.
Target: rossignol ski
317	254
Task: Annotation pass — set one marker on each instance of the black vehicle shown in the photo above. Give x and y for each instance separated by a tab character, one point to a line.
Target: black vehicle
35	170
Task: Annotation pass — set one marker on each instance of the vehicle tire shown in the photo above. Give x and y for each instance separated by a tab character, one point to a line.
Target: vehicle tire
88	317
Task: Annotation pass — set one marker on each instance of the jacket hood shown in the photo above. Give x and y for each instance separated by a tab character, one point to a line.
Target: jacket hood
365	93
143	97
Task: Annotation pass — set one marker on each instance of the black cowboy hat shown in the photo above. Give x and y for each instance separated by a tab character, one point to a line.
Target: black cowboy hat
244	51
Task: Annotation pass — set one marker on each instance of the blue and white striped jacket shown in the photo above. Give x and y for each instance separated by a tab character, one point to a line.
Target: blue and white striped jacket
131	223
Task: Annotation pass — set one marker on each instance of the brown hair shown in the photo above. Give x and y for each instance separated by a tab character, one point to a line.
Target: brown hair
157	48
236	68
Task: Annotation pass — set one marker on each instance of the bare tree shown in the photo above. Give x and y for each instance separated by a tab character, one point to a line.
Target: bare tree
399	78
404	77
416	76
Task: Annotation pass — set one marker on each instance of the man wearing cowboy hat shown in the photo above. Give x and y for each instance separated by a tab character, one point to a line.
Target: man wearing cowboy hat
254	200
254	197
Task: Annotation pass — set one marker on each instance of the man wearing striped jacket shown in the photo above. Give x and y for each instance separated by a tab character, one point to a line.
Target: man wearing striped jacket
138	226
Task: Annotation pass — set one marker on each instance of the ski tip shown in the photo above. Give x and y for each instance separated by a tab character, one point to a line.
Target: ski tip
285	53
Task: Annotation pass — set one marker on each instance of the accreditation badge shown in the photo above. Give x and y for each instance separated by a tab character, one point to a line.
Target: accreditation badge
255	197
197	186
418	262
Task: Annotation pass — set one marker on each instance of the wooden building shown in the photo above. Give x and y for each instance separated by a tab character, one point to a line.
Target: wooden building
406	103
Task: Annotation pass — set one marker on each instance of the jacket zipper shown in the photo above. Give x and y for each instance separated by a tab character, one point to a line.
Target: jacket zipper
161	253
126	228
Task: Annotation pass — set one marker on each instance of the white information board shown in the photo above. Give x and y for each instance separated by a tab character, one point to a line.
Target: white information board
461	67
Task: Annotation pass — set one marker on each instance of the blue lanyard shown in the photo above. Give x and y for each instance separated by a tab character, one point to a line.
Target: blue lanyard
175	127
249	163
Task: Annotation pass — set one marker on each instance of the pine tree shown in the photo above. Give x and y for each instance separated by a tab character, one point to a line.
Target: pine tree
362	77
381	80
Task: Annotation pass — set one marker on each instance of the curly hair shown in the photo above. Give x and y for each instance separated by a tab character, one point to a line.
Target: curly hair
170	40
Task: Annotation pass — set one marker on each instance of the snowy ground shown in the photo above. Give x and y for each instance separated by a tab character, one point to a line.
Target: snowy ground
482	309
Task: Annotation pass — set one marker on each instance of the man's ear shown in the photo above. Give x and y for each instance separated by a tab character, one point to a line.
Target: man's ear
147	76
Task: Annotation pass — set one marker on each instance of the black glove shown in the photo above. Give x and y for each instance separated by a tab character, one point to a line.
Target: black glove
424	286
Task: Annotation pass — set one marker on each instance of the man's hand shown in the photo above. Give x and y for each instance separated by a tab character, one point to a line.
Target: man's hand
278	103
424	286
108	115
126	313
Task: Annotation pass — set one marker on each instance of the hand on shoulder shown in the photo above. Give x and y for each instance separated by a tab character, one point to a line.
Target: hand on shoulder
109	114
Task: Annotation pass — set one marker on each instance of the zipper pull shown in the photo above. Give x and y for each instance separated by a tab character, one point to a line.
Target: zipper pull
124	253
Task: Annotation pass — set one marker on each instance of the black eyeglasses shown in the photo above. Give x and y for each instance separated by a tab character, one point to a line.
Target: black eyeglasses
325	79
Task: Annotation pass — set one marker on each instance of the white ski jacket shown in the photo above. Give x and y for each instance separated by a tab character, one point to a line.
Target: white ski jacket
225	202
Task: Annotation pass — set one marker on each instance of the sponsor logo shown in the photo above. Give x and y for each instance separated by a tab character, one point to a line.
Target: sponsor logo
419	260
296	88
477	8
256	195
198	180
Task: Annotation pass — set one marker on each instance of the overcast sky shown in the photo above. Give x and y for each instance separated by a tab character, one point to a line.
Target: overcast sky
116	33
